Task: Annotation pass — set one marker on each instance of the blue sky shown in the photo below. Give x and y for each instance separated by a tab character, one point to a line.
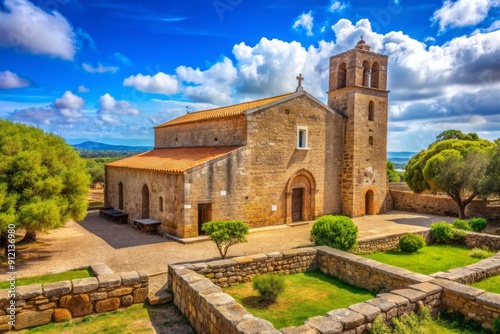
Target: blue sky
110	70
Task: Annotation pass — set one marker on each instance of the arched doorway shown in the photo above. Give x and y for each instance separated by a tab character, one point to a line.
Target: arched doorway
300	194
369	203
120	196
145	202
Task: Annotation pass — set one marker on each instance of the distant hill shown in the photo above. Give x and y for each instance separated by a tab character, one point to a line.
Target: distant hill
400	159
92	149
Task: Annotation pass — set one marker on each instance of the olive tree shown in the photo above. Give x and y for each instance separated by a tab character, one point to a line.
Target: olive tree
456	167
43	183
225	233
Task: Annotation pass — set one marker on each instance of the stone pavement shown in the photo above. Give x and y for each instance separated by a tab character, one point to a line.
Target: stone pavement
124	248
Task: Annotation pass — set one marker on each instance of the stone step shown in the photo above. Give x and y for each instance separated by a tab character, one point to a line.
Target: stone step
160	297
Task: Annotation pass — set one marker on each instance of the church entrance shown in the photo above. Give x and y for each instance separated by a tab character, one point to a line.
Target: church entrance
297	195
204	215
369	205
145	202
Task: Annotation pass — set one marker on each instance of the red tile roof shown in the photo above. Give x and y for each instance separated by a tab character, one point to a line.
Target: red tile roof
233	110
173	160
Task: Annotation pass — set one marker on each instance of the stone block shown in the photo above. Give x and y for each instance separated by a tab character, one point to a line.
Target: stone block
274	255
130	278
61	314
243	259
299	330
428	288
396	299
233	313
65	300
259	257
28	291
253	325
127	300
5	328
80	305
216	300
490	299
209	291
107	305
221	264
410	294
4	319
84	285
325	325
143	276
460	289
191	277
383	304
109	281
101	268
202	285
27	318
140	295
369	311
98	296
160	297
46	306
120	292
199	266
57	289
348	318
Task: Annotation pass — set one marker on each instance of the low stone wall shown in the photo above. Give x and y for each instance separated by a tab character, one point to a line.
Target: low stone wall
39	304
387	242
480	239
474	272
242	269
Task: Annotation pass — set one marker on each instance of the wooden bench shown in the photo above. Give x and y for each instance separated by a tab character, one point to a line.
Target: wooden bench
147	225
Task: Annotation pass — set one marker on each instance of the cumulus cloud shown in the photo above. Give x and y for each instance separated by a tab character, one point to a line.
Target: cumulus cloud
10	80
160	83
83	89
28	28
463	13
99	69
305	21
69	104
337	6
110	107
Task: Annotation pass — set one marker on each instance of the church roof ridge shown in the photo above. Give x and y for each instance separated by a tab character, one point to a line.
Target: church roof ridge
222	112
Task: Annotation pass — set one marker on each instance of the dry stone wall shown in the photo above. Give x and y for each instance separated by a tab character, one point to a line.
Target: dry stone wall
39	304
474	272
386	242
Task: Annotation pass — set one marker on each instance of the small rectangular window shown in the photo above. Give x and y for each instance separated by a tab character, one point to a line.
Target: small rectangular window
302	137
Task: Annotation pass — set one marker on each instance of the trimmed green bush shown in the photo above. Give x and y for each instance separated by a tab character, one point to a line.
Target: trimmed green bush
477	224
411	243
269	286
480	253
442	232
461	224
335	231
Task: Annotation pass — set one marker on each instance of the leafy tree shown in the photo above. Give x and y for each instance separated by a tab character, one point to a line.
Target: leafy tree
493	171
454	166
392	175
43	182
225	233
456	134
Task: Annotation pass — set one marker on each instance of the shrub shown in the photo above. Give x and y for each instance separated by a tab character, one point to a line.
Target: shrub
225	233
380	327
442	232
411	243
461	224
496	326
459	235
269	286
335	231
477	224
480	253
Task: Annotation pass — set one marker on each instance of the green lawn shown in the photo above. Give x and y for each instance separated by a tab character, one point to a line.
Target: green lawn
65	276
491	284
428	260
306	295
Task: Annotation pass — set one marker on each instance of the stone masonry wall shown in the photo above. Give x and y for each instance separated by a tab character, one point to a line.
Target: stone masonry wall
387	242
474	272
39	304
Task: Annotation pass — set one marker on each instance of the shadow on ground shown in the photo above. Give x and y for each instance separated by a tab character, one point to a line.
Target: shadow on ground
118	235
421	221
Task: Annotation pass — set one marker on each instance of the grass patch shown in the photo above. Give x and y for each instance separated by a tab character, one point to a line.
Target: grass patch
428	260
306	295
50	278
491	284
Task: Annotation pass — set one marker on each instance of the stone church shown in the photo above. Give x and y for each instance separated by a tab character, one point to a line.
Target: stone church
279	160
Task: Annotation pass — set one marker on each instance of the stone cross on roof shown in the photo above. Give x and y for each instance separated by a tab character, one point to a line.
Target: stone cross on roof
300	78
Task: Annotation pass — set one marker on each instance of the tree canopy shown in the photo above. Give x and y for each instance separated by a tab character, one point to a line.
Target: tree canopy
225	233
392	175
456	167
456	134
43	182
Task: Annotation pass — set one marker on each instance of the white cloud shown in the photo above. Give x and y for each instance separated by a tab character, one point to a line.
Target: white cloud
30	29
463	13
160	83
109	106
337	6
99	69
83	89
305	21
10	80
69	101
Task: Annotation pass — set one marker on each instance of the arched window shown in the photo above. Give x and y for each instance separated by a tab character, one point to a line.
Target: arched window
375	79
371	111
366	73
370	140
145	202
120	196
341	76
160	203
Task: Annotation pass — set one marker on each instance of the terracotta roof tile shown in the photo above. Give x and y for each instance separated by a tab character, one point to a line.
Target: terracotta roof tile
233	110
173	160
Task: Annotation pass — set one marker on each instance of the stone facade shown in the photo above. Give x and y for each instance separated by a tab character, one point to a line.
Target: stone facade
294	159
386	242
39	304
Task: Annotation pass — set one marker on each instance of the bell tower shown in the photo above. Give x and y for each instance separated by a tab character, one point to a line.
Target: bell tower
357	89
